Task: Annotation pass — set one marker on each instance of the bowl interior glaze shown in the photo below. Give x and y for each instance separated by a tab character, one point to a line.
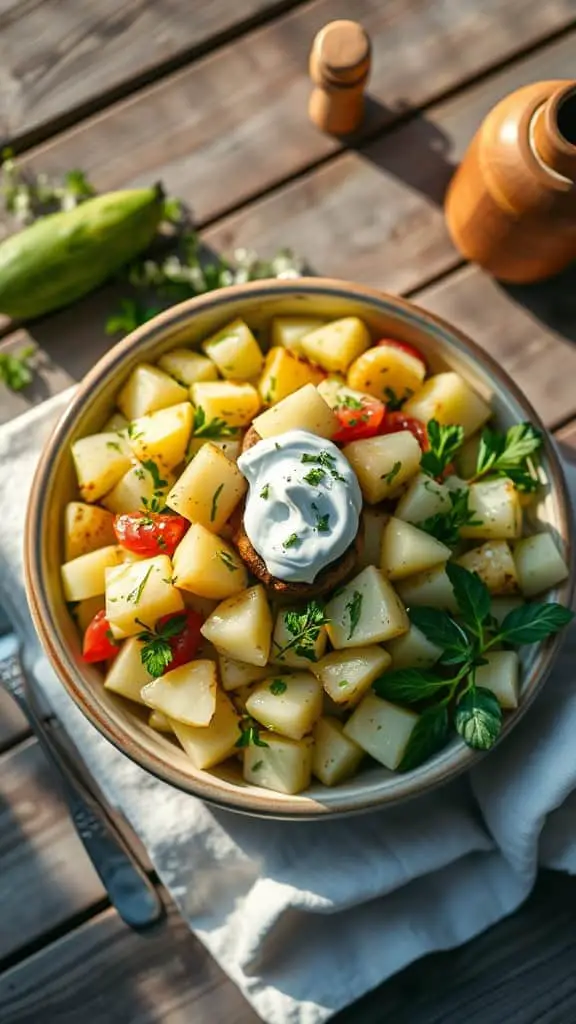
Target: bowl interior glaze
54	485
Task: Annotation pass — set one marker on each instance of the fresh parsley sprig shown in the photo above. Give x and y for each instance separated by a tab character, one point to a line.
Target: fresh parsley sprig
211	428
446	526
15	370
156	653
249	733
511	455
449	692
304	626
444	441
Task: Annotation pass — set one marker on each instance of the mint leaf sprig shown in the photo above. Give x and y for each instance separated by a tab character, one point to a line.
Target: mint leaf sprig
449	693
446	526
510	455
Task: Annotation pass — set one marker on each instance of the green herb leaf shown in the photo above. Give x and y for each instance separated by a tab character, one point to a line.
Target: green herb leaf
229	562
446	526
277	687
114	446
214	428
15	371
440	629
354	609
444	443
315	477
157	480
304	626
389	477
249	734
322	521
156	654
214	506
510	455
292	541
325	459
428	736
134	596
394	401
265	492
347	402
534	622
129	315
409	685
472	596
256	767
478	718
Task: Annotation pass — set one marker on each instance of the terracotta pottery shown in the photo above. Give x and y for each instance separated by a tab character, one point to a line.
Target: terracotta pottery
339	68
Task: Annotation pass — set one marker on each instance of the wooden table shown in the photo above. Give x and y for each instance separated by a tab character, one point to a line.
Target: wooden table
210	97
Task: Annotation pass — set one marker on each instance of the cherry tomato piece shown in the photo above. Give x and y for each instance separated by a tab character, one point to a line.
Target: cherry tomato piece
150	533
404	346
98	644
396	421
185	643
360	420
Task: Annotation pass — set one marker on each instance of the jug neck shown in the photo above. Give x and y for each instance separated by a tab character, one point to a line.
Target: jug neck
553	132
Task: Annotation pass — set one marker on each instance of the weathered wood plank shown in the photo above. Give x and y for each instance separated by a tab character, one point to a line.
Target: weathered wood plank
529	330
375	215
236	123
47	876
13	726
107	973
59	57
567	438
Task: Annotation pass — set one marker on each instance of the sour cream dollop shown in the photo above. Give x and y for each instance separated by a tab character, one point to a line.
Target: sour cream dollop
303	506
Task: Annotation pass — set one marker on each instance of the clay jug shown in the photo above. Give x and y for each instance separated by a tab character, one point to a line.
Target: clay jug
511	205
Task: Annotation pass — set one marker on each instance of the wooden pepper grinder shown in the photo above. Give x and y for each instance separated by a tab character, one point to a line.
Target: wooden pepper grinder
511	205
339	68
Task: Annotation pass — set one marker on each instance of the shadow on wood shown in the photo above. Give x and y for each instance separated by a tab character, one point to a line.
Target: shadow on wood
552	301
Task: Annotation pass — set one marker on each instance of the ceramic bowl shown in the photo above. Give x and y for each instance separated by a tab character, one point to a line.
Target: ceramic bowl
54	485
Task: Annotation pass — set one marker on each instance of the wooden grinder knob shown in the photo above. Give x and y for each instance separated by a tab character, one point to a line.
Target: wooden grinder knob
339	68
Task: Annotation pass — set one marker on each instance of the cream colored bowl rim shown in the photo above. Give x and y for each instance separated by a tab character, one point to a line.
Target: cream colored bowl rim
210	788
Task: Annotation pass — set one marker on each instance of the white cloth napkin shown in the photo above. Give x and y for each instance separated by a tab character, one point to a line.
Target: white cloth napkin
306	917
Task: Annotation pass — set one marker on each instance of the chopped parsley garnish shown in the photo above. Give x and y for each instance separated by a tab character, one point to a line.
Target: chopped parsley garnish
133	432
213	428
389	477
321	524
265	492
139	473
114	446
277	687
249	733
214	506
315	477
229	562
305	627
157	480
445	526
444	442
395	401
292	541
256	767
326	460
510	455
348	402
134	596
343	682
354	609
156	653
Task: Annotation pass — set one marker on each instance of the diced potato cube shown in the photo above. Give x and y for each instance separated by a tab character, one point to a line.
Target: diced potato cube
235	404
85	576
424	497
383	464
127	675
387	372
539	564
138	486
84	611
186	694
501	676
381	729
284	765
203	605
366	611
304	409
159	722
288	704
207	565
208	490
428	588
231	446
207	746
283	374
494	564
446	397
346	675
407	550
235	351
241	627
140	592
100	460
148	389
335	756
496	504
237	674
187	367
500	607
288	331
116	423
413	650
284	654
86	528
337	344
162	437
373	521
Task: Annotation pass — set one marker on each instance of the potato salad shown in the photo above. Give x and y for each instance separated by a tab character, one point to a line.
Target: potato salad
300	549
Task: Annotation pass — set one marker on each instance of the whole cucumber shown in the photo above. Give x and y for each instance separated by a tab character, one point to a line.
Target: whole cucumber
63	256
